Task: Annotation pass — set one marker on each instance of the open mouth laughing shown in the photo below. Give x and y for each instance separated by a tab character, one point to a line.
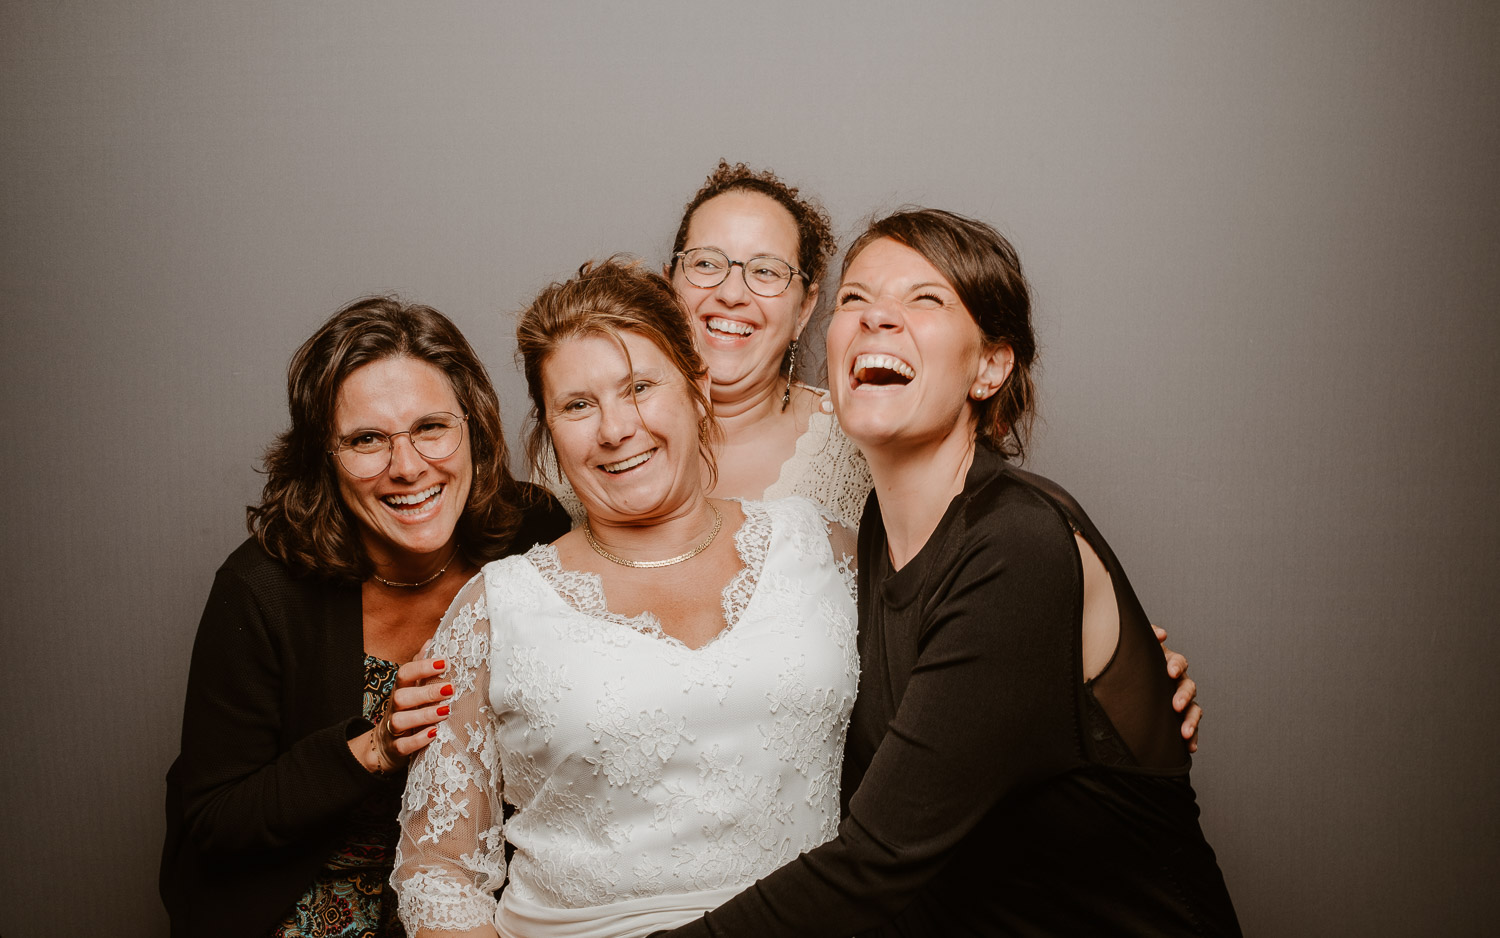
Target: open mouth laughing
880	371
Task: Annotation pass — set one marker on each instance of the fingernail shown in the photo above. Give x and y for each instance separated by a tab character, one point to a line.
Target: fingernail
432	733
439	664
447	690
443	710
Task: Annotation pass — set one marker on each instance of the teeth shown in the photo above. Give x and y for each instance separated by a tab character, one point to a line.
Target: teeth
414	498
630	463
730	326
888	362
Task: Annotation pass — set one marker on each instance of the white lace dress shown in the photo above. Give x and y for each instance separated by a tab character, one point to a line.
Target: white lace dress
826	467
649	781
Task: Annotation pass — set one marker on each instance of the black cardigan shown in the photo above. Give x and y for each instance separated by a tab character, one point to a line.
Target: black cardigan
256	800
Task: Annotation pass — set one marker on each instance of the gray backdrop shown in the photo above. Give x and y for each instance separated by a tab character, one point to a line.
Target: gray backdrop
1264	244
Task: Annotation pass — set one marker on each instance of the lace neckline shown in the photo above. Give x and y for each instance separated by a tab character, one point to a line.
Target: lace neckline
583	591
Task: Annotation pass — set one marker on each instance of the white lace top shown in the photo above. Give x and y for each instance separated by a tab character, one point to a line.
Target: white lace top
826	467
649	781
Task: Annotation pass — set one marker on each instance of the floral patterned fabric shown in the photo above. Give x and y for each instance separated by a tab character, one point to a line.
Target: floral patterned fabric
351	897
649	780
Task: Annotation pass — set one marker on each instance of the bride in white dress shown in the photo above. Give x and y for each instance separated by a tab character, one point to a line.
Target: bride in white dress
661	695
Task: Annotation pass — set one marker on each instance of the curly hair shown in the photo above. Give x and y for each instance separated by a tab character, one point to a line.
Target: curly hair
607	298
814	228
985	271
302	519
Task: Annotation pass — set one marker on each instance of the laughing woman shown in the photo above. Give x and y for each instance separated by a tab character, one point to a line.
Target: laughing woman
1013	765
305	697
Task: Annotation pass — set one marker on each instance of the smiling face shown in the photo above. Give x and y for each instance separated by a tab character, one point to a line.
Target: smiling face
904	355
409	512
743	336
625	429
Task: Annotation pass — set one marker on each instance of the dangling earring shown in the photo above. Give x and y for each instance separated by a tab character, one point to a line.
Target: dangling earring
703	431
791	366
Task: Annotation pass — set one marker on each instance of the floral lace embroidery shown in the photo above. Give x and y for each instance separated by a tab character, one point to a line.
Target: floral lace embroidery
532	686
523	777
444	791
584	591
746	842
827	468
633	748
438	902
619	791
465	646
804	719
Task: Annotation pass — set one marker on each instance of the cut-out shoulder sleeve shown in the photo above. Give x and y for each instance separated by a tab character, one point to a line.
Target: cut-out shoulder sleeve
450	858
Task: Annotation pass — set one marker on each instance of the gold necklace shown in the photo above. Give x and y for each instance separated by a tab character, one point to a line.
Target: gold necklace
588	535
412	586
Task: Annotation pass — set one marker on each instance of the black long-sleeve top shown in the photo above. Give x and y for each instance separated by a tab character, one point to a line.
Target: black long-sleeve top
258	798
988	789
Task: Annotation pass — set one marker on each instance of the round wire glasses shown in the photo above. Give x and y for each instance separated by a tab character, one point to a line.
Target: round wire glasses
765	275
365	454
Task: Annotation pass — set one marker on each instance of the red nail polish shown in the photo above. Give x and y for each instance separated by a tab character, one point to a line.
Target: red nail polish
432	733
447	690
443	710
439	664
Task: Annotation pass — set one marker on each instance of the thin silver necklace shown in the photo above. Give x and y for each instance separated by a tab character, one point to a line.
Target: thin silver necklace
412	586
588	535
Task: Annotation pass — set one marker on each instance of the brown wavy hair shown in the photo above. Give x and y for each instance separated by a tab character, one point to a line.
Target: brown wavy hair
301	519
985	270
607	298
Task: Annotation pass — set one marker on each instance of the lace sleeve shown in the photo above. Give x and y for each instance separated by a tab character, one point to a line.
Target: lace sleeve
828	468
450	858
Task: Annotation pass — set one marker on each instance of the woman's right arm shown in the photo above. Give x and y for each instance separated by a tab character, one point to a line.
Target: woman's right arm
241	792
450	858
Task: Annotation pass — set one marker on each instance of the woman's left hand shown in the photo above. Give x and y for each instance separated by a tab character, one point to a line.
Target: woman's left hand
1187	691
418	703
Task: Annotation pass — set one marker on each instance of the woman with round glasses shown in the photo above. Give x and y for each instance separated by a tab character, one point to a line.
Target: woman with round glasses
745	263
305	696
